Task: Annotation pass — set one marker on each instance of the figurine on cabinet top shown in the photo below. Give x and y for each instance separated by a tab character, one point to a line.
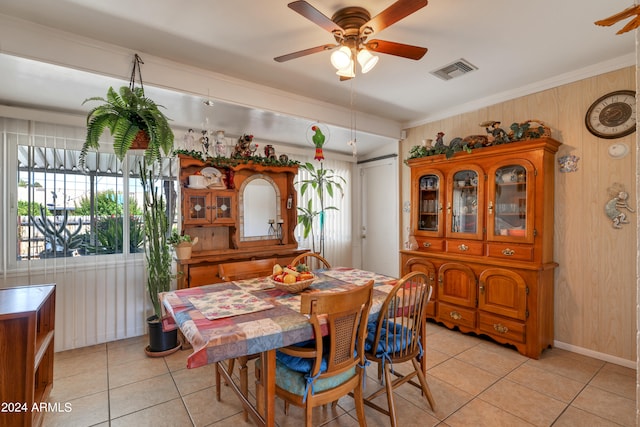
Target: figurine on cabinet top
497	135
244	147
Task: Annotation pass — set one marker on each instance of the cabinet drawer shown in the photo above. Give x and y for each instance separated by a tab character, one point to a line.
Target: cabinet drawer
510	251
430	245
501	327
465	247
456	314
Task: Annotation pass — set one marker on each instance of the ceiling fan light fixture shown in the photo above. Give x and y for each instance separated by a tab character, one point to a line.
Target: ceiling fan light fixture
348	71
366	60
341	58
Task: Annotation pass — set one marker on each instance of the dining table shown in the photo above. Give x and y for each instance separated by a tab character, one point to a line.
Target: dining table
245	317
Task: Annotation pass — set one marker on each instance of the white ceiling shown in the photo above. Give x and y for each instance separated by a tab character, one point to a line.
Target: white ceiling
517	45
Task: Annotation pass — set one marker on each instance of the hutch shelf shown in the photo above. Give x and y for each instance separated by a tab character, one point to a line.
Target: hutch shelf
27	318
482	229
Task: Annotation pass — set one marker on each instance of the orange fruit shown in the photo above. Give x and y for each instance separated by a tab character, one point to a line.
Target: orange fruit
289	278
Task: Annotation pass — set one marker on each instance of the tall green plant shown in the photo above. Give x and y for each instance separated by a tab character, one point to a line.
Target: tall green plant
322	181
157	251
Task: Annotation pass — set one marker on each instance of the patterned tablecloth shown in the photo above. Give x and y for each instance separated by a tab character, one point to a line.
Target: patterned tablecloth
258	331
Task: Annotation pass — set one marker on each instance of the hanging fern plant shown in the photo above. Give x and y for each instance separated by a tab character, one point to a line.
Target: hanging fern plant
134	121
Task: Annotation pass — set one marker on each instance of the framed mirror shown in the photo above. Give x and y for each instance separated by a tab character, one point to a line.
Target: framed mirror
259	208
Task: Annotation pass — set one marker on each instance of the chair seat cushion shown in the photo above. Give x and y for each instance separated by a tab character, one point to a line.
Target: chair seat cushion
393	337
296	382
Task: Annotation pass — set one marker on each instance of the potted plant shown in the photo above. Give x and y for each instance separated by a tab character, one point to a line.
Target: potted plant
182	244
135	122
158	262
322	181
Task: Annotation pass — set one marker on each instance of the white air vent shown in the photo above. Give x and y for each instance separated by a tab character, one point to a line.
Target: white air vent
455	69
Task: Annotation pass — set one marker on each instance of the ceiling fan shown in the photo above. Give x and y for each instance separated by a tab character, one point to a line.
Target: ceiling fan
351	27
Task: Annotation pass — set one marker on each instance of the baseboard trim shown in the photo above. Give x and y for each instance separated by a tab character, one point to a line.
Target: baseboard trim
632	364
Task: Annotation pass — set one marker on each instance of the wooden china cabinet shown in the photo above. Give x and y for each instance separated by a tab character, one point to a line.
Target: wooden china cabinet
248	213
483	223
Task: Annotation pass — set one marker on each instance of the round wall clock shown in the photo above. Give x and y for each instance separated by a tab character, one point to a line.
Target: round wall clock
612	115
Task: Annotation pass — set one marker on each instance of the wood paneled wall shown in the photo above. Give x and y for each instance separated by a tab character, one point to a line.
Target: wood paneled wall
595	285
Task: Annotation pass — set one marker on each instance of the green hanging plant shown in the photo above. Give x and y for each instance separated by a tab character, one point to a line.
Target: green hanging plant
130	117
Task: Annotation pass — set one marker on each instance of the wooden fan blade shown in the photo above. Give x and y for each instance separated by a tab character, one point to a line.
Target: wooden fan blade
305	52
391	15
315	16
397	49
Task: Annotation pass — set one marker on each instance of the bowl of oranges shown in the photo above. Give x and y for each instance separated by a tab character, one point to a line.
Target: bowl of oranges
292	278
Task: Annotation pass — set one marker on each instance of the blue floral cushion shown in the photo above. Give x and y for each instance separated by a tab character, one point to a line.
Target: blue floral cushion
397	339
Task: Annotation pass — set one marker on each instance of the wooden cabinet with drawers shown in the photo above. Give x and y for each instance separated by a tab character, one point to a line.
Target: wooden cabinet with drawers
483	223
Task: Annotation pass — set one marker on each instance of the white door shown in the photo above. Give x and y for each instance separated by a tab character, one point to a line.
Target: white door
379	221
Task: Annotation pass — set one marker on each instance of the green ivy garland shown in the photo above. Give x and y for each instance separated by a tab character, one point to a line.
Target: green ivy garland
223	162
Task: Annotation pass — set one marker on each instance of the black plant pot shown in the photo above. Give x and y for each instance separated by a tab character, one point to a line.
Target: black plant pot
161	342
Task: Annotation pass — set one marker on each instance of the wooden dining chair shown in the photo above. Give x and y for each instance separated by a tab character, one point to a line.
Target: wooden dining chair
398	335
324	369
240	270
313	260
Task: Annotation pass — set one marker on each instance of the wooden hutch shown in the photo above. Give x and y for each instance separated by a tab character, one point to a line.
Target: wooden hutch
253	216
483	229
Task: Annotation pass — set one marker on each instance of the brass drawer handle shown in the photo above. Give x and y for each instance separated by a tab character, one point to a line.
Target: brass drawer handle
501	329
426	244
463	247
508	252
455	315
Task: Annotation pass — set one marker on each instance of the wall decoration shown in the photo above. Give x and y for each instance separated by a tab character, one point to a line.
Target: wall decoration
568	163
318	135
618	151
612	115
618	201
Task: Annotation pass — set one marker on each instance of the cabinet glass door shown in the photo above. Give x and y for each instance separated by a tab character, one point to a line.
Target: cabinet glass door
463	206
197	208
223	207
429	203
512	202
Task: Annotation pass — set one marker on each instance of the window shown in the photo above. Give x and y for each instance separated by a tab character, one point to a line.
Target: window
337	223
62	211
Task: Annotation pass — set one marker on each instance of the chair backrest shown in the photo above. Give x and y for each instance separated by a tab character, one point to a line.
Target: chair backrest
399	331
312	260
346	315
246	269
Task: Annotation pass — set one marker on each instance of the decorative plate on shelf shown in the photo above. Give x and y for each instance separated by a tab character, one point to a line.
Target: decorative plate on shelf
213	177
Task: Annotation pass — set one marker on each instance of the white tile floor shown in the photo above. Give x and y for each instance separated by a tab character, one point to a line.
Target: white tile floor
475	383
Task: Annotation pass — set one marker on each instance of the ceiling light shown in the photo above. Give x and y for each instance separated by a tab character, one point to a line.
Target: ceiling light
341	58
348	71
366	60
